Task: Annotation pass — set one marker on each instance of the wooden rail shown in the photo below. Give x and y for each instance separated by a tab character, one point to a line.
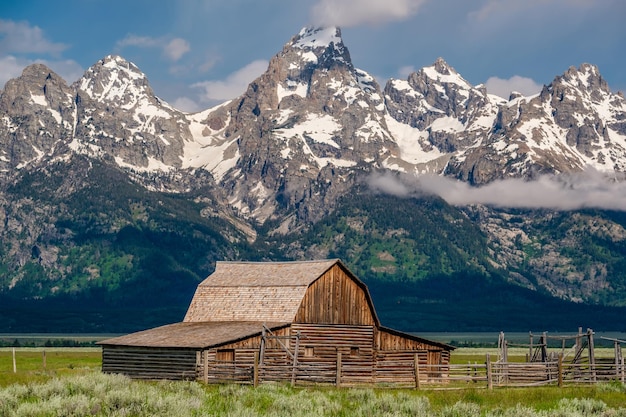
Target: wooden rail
415	374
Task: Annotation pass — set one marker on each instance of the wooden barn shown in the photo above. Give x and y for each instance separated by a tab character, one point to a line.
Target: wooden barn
252	322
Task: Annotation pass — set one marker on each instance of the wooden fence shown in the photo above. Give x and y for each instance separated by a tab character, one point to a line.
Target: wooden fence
405	373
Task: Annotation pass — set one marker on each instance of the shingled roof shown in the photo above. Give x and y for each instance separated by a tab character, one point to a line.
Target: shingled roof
193	335
254	291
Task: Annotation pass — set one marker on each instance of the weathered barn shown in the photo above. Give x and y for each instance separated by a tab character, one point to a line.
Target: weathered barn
295	321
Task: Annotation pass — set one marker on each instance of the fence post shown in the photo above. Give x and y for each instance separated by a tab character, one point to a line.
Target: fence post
205	366
43	353
255	370
561	370
489	376
338	380
416	364
14	364
592	357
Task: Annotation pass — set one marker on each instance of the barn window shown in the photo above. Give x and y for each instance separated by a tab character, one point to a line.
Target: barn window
225	355
354	351
308	351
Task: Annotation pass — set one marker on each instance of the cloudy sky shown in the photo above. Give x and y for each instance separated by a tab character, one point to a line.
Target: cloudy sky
197	53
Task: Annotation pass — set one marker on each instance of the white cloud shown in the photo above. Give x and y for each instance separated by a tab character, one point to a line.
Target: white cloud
587	189
347	13
172	49
176	48
12	67
504	88
20	37
186	104
234	85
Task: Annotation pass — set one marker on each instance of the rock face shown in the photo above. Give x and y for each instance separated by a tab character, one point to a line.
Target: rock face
119	115
574	122
303	134
308	128
303	127
38	114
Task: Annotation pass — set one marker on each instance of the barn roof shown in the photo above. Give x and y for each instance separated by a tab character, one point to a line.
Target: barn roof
255	291
192	335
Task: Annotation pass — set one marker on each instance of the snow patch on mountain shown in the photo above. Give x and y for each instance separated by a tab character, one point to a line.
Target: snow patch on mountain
410	141
319	128
311	38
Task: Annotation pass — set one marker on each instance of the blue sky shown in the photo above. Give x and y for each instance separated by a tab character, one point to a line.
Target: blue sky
197	53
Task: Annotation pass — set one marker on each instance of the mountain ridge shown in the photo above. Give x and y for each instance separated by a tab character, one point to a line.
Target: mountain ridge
252	177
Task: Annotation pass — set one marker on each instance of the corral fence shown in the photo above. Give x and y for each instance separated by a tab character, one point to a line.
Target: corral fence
410	373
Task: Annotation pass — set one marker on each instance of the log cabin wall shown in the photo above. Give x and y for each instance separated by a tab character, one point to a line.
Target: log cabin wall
335	298
320	344
150	363
387	341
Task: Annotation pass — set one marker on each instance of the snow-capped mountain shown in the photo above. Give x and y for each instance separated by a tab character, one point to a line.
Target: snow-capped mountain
436	114
102	181
575	122
304	131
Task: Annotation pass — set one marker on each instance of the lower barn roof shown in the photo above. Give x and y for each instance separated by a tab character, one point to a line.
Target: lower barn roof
197	335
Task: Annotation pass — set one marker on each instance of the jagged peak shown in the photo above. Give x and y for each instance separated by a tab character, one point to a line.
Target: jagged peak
440	71
112	70
442	67
317	37
36	70
586	77
321	46
116	62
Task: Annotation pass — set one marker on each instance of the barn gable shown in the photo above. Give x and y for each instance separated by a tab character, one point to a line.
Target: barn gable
337	297
310	291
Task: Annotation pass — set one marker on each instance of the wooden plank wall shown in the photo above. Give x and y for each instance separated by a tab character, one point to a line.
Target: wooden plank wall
149	363
355	343
390	341
335	299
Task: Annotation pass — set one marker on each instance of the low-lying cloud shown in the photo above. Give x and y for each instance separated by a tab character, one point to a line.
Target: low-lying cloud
588	189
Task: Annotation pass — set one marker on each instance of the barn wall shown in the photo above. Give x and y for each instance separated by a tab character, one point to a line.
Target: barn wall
389	341
149	363
320	344
335	298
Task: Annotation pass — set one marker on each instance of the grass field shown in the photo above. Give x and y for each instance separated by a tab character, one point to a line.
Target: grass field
71	384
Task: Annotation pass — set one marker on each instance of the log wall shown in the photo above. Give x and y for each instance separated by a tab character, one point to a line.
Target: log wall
319	346
149	363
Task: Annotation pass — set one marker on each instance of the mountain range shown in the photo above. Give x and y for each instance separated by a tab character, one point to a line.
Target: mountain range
114	204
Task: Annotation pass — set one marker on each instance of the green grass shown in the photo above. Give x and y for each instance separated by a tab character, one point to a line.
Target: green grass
59	361
94	393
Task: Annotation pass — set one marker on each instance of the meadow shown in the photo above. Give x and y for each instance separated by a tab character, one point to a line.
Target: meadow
71	384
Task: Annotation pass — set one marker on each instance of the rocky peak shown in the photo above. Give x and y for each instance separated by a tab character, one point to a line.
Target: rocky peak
586	77
311	116
37	113
321	46
442	105
114	79
37	85
442	67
